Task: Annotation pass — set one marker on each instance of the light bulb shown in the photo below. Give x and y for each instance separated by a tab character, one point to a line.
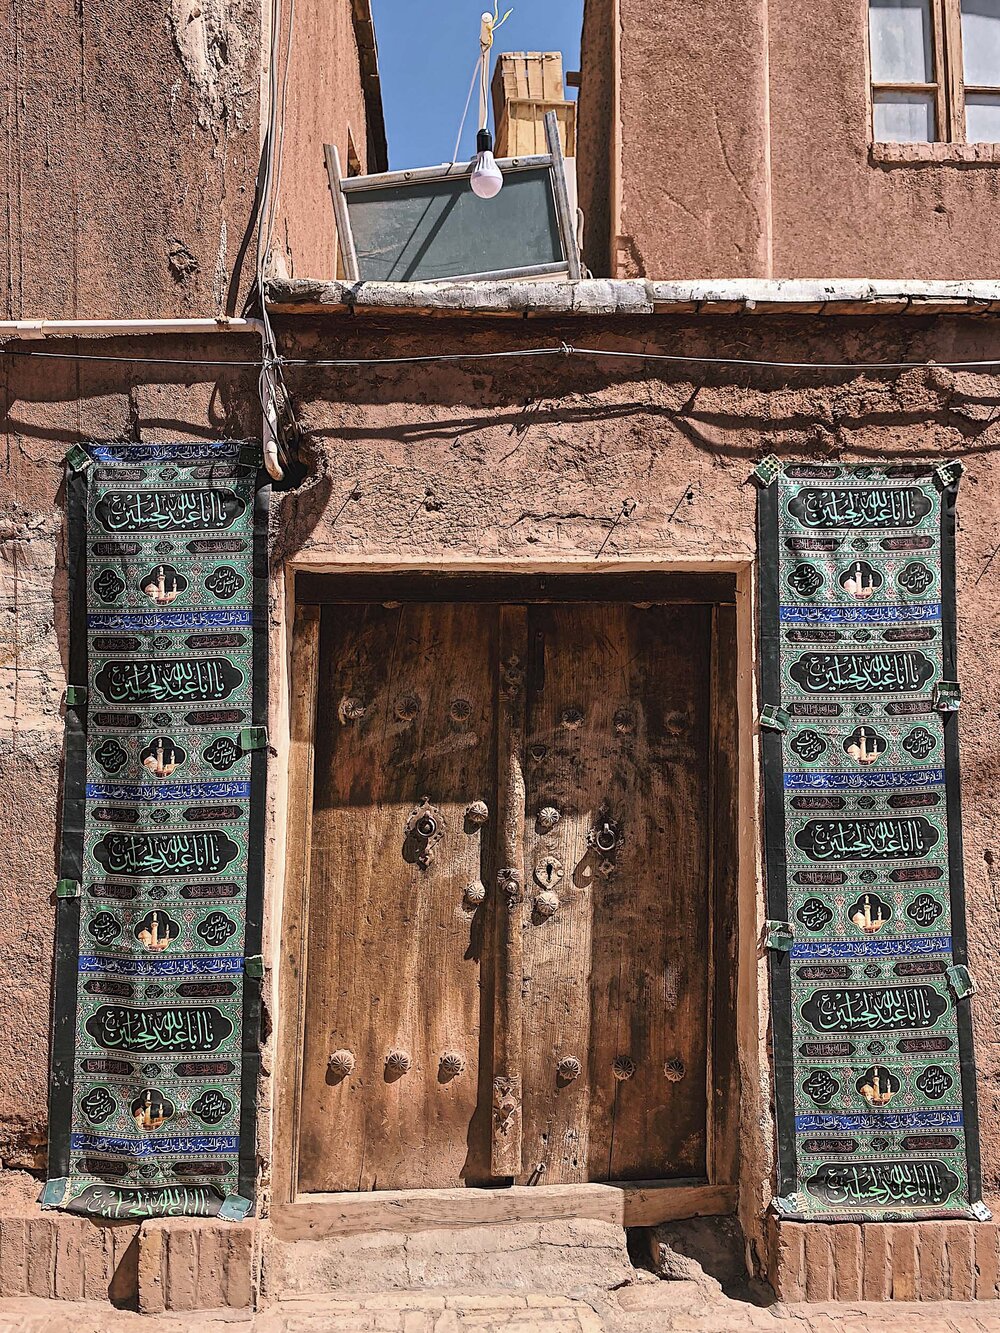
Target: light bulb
487	178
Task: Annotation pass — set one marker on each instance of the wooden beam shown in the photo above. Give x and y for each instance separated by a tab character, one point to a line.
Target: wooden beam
623	1203
509	897
345	237
637	586
293	943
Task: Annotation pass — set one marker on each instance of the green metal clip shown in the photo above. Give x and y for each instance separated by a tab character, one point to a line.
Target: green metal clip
253	738
947	696
960	980
55	1192
787	1205
779	935
980	1212
774	718
68	888
767	471
949	474
253	966
251	455
76	696
77	458
235	1208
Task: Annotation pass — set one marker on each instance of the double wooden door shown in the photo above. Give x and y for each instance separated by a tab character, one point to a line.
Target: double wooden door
514	928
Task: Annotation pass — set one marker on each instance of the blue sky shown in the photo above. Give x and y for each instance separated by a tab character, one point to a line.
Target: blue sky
427	49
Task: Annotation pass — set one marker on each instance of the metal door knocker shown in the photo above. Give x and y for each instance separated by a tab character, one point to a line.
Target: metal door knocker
424	830
606	839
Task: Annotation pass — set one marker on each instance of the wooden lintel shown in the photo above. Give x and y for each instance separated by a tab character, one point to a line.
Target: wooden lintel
623	1203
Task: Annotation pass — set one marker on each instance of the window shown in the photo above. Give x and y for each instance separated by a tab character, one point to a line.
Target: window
935	67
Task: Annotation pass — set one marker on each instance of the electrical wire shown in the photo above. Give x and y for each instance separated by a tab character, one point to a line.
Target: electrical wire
565	350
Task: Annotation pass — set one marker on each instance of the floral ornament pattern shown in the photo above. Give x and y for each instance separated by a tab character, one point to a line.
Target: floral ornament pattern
919	742
821	1086
809	745
915	579
924	910
806	580
108	586
934	1082
111	756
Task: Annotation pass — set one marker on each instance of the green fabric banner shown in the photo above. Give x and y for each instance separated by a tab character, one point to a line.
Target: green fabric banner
155	1052
875	1082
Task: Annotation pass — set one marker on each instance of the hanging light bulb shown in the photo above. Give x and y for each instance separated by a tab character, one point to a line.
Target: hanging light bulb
487	178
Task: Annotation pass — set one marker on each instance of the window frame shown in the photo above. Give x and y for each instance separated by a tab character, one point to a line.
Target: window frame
948	89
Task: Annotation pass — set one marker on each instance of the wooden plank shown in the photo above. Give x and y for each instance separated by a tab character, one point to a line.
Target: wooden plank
697	587
395	941
723	1083
564	214
509	898
952	69
295	908
625	1204
345	236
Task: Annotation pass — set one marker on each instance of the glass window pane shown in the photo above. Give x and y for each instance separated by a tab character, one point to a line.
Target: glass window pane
901	44
981	42
904	117
982	117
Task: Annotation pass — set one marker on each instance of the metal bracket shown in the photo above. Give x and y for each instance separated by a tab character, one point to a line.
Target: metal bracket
424	830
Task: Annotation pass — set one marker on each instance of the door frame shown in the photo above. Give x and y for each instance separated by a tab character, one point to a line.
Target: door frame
727	588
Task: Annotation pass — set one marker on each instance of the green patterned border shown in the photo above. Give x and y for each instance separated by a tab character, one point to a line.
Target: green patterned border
155	1054
874	1073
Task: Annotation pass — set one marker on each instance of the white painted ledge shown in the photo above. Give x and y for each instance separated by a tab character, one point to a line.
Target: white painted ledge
637	296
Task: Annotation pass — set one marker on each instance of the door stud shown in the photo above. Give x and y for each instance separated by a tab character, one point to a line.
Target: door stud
341	1064
623	1067
452	1064
548	817
397	1063
477	813
547	903
475	893
568	1068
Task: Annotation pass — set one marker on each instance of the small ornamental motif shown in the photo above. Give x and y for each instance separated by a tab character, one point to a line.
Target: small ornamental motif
397	1063
151	1109
477	813
108	586
821	1086
872	971
98	1105
806	580
568	1068
879	1143
224	582
915	578
211	1107
814	914
452	1064
878	1086
407	708
868	876
934	1082
111	756
341	1064
919	742
157	931
808	745
860	580
924	910
674	1070
548	817
475	893
623	1067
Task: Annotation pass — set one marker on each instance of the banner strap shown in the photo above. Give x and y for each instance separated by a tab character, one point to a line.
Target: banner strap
779	935
235	1208
76	696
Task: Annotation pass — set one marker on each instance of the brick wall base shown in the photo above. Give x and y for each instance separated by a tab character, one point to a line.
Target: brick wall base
890	1261
172	1264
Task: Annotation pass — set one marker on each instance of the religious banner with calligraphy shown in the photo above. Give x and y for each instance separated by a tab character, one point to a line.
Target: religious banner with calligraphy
872	1042
156	1045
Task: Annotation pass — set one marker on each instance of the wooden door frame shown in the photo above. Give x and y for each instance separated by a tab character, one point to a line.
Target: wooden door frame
634	1203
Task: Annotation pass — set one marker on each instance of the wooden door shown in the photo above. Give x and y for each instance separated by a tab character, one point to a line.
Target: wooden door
616	978
406	712
558	1021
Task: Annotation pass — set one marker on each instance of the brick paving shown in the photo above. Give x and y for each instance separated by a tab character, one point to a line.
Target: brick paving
659	1307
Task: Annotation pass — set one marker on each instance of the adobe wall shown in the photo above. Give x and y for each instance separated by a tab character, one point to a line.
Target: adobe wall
509	462
745	153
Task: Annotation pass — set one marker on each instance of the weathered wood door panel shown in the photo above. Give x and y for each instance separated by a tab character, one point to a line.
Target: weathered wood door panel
616	978
406	711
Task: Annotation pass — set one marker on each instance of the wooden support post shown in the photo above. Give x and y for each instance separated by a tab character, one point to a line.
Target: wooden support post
505	1150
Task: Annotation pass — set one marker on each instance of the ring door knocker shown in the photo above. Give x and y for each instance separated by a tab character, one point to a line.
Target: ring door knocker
606	839
424	830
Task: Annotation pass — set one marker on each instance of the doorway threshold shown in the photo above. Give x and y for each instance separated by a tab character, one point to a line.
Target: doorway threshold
626	1203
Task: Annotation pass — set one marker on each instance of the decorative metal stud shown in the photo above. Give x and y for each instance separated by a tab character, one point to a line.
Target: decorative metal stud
407	708
477	813
351	710
475	893
452	1064
623	1067
568	1068
548	817
460	710
547	903
341	1064
674	1070
397	1063
571	718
